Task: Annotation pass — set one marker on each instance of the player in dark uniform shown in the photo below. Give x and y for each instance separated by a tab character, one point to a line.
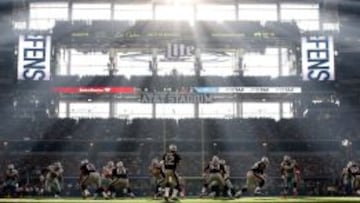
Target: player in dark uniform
11	181
120	180
171	161
90	177
288	174
255	178
215	177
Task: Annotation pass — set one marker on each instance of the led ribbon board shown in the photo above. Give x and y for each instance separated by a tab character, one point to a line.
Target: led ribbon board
248	90
94	90
34	57
318	58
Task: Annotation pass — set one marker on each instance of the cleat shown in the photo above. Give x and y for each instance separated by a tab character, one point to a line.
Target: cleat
212	194
238	194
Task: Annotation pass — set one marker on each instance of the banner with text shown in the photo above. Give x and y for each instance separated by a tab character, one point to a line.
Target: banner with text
34	57
248	90
94	90
318	58
171	97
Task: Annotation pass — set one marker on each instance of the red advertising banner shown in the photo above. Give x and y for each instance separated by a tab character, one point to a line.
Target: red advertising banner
94	90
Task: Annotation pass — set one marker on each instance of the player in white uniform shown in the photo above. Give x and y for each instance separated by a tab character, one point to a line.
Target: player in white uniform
106	176
53	179
288	174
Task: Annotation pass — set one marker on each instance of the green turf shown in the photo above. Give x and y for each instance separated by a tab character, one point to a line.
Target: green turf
242	200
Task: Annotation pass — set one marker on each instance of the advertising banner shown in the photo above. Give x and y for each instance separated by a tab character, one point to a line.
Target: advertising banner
34	57
94	90
318	58
248	90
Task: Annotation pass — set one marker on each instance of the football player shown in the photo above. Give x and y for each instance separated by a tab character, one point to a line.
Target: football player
255	178
171	161
205	175
156	170
354	171
120	180
11	180
106	175
90	177
215	180
288	174
229	188
346	179
53	179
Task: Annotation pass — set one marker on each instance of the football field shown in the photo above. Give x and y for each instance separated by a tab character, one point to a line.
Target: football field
144	200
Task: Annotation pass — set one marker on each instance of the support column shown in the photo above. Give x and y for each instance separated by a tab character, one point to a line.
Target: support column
154	64
113	63
112	10
195	12
236	2
112	108
67	109
196	110
153	10
68	64
239	107
70	11
280	58
197	64
153	110
239	61
278	11
202	134
281	109
56	69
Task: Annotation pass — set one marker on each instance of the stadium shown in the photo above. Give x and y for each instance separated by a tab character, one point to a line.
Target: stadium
193	101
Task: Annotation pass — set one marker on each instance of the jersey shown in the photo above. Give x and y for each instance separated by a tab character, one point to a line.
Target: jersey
55	171
119	172
107	172
346	176
88	168
156	170
215	167
11	175
354	170
259	167
288	167
171	160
